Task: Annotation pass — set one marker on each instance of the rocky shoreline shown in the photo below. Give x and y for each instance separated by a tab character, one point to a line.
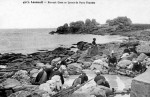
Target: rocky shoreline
80	56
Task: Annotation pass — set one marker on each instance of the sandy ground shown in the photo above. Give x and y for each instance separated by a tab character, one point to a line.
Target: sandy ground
116	81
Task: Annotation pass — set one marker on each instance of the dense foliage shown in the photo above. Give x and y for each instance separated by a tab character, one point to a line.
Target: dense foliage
120	21
77	27
119	24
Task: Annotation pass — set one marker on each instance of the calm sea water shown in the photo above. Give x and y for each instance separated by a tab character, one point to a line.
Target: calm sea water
31	40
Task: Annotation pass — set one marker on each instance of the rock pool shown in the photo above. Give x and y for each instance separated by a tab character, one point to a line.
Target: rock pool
116	81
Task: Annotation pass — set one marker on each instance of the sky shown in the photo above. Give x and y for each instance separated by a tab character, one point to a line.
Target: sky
15	14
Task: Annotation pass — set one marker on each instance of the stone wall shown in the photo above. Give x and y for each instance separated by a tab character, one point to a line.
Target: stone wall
140	86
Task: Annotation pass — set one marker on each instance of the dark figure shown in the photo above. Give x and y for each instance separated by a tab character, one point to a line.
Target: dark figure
43	75
94	41
100	80
112	60
63	63
84	78
137	67
80	80
126	50
38	77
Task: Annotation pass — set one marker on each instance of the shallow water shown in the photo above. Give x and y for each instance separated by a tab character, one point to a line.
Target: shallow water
28	41
115	81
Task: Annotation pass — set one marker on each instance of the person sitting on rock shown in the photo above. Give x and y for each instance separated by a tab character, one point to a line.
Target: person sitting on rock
81	79
94	41
100	80
43	75
112	60
138	67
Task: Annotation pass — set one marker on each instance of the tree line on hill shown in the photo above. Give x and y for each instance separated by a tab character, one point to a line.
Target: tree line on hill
119	24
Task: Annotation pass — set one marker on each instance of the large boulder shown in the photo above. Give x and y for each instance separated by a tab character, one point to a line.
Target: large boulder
10	83
100	65
99	91
22	77
124	63
140	85
143	48
83	45
34	72
74	68
101	62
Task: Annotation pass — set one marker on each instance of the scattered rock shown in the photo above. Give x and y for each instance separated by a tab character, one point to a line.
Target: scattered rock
86	65
74	68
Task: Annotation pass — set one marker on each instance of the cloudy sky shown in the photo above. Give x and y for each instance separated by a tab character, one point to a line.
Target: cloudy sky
15	14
